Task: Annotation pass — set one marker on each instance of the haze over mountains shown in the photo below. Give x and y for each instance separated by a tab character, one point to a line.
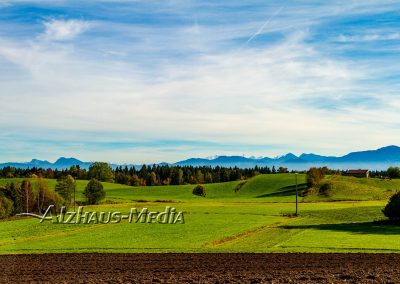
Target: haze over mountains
378	159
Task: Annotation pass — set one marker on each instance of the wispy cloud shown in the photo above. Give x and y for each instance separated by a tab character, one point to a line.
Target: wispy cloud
369	37
64	29
98	82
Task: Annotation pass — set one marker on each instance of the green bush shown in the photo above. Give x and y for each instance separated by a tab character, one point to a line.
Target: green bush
6	207
324	189
240	185
392	209
199	191
94	192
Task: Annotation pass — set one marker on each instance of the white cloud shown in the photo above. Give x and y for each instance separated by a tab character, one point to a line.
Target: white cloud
369	37
249	96
203	84
64	29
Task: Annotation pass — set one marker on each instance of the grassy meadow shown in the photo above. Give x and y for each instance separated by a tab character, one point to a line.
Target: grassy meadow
255	218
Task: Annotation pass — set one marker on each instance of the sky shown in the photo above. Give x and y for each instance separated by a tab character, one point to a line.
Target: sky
152	81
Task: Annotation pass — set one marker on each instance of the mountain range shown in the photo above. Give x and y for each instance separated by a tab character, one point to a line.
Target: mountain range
372	159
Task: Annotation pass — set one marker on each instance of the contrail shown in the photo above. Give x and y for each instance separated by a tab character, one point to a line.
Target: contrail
264	25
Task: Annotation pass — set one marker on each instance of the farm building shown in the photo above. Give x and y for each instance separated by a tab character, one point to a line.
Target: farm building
357	173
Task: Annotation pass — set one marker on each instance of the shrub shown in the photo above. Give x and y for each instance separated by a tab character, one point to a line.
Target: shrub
6	207
240	185
94	192
392	209
199	191
324	189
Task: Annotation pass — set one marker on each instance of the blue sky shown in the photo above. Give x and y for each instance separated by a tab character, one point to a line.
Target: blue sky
151	81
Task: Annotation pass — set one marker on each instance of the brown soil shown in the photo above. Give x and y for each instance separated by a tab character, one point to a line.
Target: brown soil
200	268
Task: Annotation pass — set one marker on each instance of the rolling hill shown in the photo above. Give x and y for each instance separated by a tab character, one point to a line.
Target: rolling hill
341	188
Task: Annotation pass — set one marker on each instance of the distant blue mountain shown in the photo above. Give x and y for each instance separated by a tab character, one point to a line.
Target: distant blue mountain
371	159
385	154
61	163
68	162
313	158
285	158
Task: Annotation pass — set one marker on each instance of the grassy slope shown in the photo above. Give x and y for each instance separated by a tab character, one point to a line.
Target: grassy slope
262	188
340	188
250	220
275	188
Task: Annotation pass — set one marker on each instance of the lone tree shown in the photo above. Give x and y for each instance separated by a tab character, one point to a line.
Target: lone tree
94	192
101	171
199	191
66	187
392	209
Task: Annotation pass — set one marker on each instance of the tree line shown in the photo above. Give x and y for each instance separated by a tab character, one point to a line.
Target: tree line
147	175
315	175
34	195
170	175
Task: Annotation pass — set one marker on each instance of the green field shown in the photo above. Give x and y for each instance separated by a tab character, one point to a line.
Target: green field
255	218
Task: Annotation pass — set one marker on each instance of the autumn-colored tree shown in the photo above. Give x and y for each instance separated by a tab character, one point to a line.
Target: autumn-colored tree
27	197
45	197
314	176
